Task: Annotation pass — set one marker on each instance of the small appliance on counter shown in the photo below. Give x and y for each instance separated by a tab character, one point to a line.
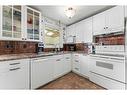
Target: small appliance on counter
39	48
87	48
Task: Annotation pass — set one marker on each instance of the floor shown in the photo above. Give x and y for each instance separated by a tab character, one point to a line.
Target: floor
72	81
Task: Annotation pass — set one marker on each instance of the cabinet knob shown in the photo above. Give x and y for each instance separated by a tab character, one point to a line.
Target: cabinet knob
23	38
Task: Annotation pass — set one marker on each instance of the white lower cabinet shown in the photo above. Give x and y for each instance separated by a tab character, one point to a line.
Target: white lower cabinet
41	71
14	74
80	64
67	63
46	69
76	64
58	66
84	62
106	82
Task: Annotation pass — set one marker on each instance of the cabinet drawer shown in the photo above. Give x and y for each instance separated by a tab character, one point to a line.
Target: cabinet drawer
76	67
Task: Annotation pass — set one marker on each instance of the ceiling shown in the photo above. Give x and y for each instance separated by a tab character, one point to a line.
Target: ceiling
58	12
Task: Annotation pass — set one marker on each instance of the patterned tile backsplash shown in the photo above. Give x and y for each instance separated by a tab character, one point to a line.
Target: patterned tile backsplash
111	40
16	47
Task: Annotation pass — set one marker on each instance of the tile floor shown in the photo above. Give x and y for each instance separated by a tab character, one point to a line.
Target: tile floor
72	81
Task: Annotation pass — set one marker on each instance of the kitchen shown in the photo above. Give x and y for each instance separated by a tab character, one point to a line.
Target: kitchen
84	48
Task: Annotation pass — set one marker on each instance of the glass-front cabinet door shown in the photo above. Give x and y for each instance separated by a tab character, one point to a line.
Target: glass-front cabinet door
17	15
11	22
29	24
36	26
7	21
33	24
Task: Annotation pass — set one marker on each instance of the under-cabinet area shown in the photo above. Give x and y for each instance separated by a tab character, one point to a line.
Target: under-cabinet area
42	48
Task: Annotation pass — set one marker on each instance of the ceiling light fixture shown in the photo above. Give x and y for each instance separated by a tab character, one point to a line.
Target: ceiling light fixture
50	33
70	12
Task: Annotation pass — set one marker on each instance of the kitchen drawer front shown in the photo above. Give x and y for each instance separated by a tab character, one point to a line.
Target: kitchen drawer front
105	82
13	65
67	56
14	74
76	66
109	68
76	56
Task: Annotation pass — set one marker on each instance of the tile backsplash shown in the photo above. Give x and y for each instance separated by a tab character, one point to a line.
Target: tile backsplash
79	47
111	40
16	47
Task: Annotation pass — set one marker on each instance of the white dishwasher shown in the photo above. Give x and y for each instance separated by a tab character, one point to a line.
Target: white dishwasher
41	71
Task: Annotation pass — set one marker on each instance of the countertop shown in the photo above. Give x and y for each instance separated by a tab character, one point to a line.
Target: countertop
32	55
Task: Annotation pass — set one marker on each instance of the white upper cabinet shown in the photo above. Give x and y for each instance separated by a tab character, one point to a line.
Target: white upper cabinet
125	11
115	19
109	21
11	22
82	30
79	29
32	23
87	32
70	32
19	23
99	23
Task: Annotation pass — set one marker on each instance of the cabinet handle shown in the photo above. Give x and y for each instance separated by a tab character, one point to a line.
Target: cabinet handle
77	68
67	58
76	61
14	69
104	27
14	63
39	59
41	34
58	60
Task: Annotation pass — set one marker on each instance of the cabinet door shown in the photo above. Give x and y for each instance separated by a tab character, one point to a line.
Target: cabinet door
67	63
70	33
14	74
99	23
75	63
11	22
58	66
33	24
17	22
7	21
126	44
125	11
84	62
87	33
115	19
41	72
79	29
